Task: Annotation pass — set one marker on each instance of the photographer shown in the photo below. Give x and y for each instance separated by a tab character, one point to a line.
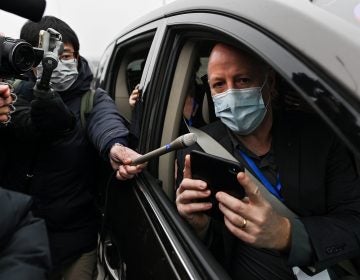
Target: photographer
59	169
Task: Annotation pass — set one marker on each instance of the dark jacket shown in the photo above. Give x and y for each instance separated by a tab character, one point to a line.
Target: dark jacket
319	183
60	172
24	248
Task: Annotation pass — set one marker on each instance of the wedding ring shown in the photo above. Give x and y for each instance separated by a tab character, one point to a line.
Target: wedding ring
244	223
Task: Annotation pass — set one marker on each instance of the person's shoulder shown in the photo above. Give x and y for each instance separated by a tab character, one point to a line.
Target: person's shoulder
101	95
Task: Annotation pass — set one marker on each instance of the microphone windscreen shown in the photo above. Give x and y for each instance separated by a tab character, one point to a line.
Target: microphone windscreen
189	139
30	9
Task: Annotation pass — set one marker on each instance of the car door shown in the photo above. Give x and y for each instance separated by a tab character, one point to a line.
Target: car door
142	234
142	237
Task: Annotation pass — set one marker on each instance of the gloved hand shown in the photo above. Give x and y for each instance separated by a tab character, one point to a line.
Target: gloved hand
51	114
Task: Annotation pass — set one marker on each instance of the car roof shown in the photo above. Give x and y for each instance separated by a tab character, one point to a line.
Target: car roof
330	41
348	10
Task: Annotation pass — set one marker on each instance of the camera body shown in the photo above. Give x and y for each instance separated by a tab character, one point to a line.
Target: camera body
17	57
50	41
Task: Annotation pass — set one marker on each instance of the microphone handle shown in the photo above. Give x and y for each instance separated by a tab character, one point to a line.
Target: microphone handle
150	155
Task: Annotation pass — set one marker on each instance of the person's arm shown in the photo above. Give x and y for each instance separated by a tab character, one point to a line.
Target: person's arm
24	243
49	114
107	130
105	125
40	115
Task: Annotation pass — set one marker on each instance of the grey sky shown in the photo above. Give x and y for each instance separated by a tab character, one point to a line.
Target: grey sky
95	22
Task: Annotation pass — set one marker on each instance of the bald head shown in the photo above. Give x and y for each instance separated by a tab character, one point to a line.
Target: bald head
229	67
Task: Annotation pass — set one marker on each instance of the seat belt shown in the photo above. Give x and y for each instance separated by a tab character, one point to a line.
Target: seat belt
211	146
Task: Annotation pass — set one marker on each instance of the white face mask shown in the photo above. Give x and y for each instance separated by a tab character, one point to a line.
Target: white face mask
241	110
63	76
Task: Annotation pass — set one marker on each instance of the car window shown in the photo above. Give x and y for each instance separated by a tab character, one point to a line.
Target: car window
194	85
134	71
129	64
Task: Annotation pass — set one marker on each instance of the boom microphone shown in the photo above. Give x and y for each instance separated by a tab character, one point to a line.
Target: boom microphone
30	9
181	142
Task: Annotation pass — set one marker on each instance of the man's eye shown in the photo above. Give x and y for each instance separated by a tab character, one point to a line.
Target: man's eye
243	80
217	85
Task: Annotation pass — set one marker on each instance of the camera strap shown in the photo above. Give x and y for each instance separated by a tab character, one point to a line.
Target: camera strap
86	105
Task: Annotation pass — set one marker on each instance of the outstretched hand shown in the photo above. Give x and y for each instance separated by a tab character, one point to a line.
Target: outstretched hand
253	219
121	158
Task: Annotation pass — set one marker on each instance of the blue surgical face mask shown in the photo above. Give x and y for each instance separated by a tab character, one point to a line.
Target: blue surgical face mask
63	76
241	110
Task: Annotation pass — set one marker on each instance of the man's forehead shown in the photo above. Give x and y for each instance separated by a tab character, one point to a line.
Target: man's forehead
225	59
219	69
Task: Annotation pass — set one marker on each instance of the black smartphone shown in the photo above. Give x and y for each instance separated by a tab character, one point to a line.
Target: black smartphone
219	174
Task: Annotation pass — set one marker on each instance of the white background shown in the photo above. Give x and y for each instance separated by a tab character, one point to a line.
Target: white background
96	22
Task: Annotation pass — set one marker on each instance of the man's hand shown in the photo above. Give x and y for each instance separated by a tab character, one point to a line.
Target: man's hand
7	99
252	219
120	160
187	196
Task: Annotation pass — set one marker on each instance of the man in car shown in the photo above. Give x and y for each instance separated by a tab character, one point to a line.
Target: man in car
291	153
59	167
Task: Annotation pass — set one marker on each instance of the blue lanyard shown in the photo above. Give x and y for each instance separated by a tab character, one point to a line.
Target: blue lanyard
274	190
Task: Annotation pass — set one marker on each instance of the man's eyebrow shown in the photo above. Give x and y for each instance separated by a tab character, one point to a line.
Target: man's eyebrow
215	77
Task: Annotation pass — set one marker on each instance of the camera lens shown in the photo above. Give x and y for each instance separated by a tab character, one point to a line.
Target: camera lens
22	57
18	56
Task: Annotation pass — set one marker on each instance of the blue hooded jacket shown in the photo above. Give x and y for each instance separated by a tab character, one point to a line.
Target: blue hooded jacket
63	169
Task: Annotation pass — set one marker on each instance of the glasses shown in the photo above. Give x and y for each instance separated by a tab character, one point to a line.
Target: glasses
67	56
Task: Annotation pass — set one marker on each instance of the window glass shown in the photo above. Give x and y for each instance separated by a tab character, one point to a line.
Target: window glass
134	71
131	59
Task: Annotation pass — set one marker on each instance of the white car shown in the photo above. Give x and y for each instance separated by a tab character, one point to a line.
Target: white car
314	51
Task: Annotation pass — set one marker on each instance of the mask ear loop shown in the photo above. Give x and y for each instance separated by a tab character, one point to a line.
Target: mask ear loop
268	102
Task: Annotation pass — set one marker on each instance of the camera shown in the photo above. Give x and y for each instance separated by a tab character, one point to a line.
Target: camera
50	41
17	57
